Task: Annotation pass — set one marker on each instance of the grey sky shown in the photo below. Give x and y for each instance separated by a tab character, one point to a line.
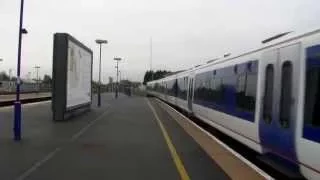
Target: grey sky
184	32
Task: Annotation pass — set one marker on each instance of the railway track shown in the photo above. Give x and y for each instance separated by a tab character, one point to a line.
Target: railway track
24	101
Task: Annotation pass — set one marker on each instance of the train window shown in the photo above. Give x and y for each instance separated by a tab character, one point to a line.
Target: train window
312	97
286	97
182	88
268	94
312	88
241	89
216	84
199	89
241	84
246	91
251	85
197	84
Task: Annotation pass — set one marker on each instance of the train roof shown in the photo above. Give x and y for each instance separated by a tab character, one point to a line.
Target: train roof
270	42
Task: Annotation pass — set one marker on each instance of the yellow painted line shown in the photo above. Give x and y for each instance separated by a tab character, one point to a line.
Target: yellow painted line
202	136
182	171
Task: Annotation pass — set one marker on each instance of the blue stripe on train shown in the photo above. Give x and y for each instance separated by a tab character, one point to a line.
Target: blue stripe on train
311	133
249	116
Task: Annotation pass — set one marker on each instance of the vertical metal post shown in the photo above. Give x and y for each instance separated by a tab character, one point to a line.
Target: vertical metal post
151	58
37	78
17	103
99	87
117	87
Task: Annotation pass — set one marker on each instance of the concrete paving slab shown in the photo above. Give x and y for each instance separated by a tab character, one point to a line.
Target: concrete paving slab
40	135
125	144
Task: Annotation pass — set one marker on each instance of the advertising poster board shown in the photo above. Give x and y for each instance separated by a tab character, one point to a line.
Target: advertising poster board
72	77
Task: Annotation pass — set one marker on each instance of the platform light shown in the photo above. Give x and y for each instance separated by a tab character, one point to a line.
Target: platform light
100	42
117	66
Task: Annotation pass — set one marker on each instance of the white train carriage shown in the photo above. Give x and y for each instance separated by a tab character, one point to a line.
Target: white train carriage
267	99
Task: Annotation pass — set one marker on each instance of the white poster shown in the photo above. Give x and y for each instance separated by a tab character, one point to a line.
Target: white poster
78	75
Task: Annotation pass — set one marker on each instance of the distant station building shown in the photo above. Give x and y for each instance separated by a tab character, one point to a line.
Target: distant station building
110	80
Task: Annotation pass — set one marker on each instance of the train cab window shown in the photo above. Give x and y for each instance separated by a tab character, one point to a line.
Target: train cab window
268	94
286	97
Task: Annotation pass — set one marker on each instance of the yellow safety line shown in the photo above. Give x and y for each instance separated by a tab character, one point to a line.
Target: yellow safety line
182	171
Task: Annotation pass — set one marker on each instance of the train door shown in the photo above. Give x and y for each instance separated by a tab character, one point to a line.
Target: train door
190	94
280	69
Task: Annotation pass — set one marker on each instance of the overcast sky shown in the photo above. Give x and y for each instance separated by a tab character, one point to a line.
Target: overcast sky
184	32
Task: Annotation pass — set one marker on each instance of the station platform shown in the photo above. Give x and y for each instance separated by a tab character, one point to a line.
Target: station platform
126	138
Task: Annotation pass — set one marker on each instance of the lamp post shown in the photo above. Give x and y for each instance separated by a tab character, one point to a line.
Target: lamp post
29	75
37	78
17	103
120	80
151	59
100	42
117	87
1	59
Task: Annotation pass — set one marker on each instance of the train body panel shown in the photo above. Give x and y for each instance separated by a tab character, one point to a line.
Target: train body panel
230	125
308	131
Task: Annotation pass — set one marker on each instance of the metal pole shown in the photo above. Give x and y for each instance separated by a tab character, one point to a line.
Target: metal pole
37	78
151	58
17	103
99	88
117	88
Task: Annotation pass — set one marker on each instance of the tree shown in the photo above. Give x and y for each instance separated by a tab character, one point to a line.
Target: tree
147	77
151	75
47	79
4	76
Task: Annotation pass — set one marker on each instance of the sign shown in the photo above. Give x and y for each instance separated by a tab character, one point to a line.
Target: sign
72	76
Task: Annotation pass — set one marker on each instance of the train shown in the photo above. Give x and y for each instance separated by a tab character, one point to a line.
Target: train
267	99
